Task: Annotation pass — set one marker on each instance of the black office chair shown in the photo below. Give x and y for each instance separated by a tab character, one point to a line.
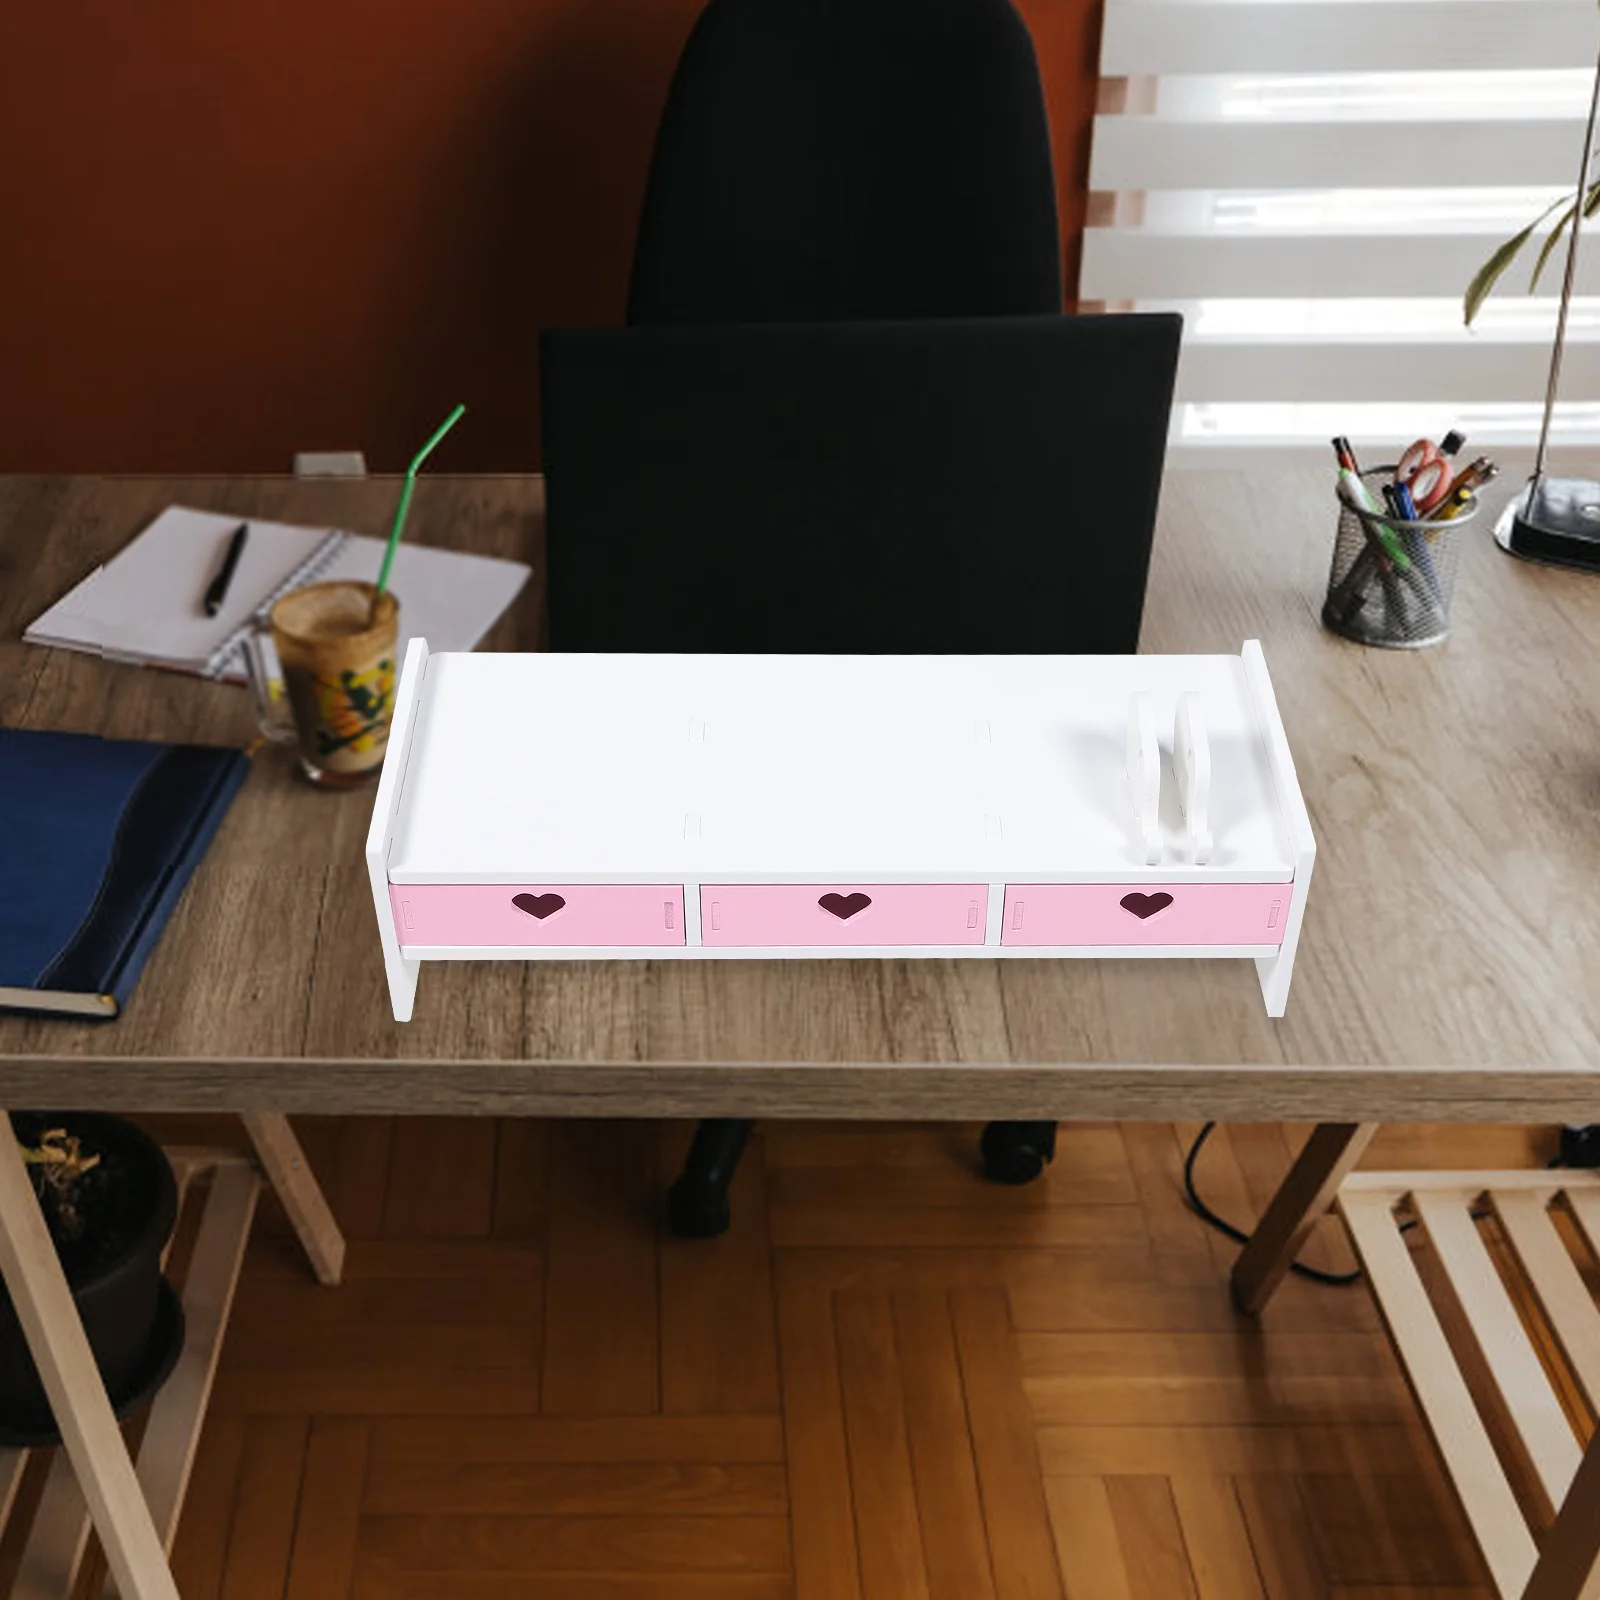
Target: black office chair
827	160
822	160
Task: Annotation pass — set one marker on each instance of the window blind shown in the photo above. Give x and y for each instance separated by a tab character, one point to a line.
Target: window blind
1313	183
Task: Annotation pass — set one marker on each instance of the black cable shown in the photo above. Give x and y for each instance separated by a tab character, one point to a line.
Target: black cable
1338	1280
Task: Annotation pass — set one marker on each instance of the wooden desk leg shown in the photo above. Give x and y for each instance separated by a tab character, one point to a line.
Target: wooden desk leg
1569	1562
78	1400
1300	1203
290	1175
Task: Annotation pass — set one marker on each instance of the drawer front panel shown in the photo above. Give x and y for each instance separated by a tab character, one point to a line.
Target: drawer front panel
789	914
538	913
1145	913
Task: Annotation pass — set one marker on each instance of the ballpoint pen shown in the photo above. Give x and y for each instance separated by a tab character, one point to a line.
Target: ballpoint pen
1416	544
1388	568
217	592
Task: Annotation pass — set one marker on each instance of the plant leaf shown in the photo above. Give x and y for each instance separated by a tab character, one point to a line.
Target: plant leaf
1552	239
1590	206
1491	272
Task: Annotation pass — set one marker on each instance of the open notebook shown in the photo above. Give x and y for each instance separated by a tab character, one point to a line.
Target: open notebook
144	605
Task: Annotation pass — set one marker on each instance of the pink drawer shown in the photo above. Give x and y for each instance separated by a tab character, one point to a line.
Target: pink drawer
842	913
1145	913
515	913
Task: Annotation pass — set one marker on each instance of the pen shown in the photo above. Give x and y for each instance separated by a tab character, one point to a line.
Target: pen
1350	593
1411	576
1449	509
1416	545
1358	492
218	592
1383	558
1471	476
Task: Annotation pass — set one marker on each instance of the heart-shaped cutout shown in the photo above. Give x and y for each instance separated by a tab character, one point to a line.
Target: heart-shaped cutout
844	906
1146	905
538	905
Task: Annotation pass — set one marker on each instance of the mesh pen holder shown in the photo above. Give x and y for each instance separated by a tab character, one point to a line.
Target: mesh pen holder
1392	582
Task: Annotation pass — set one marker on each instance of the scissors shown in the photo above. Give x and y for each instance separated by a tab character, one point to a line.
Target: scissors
1426	471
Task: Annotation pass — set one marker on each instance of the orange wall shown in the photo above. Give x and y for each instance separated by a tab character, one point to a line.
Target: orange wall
230	229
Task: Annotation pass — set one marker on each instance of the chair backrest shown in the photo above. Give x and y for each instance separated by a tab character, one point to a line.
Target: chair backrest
823	160
838	163
946	486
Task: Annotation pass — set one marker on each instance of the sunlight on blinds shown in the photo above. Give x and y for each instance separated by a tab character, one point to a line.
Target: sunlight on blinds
1316	215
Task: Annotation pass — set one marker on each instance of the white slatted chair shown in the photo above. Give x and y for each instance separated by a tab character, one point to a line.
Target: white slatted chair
1528	1560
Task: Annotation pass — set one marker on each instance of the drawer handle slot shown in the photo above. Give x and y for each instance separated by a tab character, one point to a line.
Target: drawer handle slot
845	906
1145	905
538	905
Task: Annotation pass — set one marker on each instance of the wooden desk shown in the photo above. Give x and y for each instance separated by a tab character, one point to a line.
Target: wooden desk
1445	970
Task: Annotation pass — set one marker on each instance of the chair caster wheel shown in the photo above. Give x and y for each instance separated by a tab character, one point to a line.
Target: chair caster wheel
1017	1152
697	1210
1580	1145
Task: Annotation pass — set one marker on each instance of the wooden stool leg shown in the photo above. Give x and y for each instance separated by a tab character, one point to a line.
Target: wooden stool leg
1569	1563
290	1175
78	1400
1300	1203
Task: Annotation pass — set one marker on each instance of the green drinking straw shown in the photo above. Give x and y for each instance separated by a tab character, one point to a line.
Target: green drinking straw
405	502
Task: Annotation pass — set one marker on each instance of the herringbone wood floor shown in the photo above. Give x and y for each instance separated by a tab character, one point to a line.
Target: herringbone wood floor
889	1382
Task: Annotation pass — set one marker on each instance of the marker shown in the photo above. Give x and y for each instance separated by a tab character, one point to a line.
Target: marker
218	592
1472	476
1362	498
1451	508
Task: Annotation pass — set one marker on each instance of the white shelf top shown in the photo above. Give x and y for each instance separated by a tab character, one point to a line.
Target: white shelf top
544	768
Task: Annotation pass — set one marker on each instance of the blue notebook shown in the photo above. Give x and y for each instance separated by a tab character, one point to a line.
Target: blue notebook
97	839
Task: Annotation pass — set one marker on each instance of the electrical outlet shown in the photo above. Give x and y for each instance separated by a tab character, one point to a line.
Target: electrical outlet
330	464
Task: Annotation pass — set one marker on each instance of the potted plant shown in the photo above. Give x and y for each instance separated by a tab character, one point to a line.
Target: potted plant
1554	519
109	1202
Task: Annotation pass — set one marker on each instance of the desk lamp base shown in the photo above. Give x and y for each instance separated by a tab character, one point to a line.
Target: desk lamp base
1555	521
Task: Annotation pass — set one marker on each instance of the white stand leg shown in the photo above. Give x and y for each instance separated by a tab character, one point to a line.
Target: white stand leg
1275	971
402	976
402	973
71	1379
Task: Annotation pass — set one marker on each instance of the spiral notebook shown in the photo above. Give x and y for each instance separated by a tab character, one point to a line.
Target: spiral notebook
144	605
